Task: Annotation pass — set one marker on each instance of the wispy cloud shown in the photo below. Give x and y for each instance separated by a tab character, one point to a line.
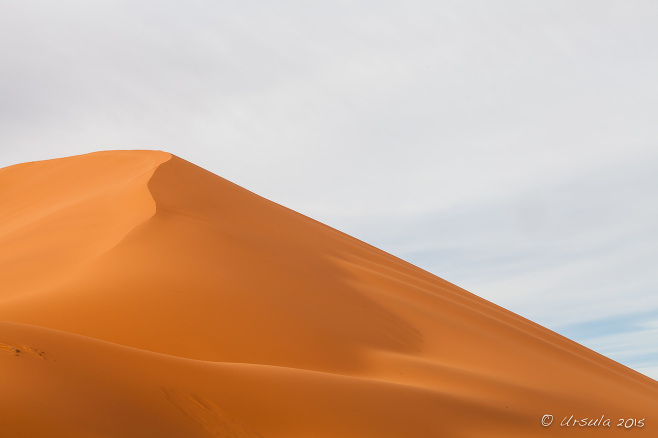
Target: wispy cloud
630	340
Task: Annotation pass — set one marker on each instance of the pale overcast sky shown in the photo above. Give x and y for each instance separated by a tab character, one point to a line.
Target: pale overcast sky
510	147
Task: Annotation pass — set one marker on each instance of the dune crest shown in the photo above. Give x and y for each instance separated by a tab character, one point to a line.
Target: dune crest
56	216
149	297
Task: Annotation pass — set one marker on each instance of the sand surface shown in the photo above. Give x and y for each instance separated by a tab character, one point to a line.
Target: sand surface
142	296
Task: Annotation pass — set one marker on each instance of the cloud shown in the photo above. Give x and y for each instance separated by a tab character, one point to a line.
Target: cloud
632	343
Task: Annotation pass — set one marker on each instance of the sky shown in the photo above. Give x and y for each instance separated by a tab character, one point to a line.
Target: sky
510	147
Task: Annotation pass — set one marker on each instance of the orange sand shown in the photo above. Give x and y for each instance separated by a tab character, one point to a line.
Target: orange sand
142	296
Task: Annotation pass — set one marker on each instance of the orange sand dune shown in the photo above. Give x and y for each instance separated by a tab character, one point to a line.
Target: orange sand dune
142	296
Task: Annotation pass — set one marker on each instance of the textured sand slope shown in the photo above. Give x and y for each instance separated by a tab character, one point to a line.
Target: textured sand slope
85	387
149	297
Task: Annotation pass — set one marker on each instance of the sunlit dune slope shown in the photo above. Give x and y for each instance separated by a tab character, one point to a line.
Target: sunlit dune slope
141	295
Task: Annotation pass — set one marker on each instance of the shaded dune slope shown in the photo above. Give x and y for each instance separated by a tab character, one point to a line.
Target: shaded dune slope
149	297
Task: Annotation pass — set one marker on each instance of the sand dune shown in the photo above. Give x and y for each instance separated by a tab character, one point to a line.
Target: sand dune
141	295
